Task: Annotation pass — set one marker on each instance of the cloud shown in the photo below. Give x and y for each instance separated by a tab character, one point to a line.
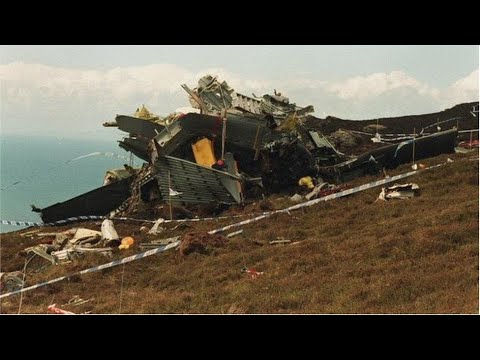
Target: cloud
359	88
49	99
464	89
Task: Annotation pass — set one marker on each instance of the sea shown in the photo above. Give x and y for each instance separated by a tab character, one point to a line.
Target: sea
44	170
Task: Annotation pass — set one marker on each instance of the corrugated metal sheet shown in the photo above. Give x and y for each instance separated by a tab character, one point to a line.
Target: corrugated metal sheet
198	184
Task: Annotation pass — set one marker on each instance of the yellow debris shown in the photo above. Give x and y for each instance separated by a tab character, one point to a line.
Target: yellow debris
203	152
306	181
144	114
126	243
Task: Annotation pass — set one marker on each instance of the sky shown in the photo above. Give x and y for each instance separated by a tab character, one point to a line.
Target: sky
70	90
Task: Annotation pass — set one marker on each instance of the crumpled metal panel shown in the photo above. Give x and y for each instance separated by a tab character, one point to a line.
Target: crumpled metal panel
138	147
136	126
214	96
99	202
196	183
391	156
319	141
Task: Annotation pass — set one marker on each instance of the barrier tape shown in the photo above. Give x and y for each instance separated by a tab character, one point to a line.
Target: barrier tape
96	268
59	222
94	217
410	135
467	131
325	198
441	122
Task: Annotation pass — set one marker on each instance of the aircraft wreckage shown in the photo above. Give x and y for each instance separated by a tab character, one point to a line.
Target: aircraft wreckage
234	149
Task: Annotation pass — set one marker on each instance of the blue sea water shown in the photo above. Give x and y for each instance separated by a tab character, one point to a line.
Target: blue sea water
39	163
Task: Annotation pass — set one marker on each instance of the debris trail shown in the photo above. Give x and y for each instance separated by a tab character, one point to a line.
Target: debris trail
36	173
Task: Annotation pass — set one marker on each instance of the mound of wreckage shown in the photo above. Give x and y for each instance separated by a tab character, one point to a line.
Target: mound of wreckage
235	149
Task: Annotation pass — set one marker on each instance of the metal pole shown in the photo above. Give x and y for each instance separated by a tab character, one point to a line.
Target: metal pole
23	283
224	130
471	137
169	195
413	147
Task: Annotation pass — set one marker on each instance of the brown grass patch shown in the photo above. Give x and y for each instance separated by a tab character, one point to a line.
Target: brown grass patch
201	242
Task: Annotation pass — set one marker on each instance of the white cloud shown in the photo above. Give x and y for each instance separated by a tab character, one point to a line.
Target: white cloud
359	88
464	89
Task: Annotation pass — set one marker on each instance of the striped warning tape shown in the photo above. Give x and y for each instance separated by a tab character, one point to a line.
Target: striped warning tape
94	217
96	268
59	222
442	122
325	198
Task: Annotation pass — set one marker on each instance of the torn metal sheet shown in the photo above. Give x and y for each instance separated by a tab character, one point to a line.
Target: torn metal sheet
320	141
99	202
196	183
43	251
82	234
137	146
214	97
393	155
398	191
113	175
136	126
63	256
11	281
159	242
155	230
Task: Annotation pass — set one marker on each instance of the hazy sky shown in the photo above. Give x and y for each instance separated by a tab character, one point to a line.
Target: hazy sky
71	90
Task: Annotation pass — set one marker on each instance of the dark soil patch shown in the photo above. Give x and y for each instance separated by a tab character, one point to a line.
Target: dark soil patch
201	243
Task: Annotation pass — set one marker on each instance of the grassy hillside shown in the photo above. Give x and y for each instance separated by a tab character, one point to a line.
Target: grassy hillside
351	255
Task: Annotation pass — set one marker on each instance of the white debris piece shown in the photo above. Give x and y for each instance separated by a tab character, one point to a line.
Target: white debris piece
109	233
315	191
155	230
397	191
296	198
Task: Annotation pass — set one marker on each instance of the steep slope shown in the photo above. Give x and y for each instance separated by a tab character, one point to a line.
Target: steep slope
354	255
